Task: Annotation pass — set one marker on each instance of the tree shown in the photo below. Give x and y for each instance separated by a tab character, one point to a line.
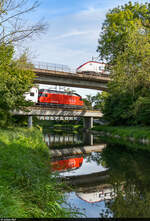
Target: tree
89	101
14	82
130	81
13	26
99	100
23	61
127	28
95	102
118	25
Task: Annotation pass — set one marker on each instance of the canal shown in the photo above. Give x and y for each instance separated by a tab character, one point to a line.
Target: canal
112	183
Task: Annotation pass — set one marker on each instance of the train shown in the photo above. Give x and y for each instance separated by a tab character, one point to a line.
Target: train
93	67
52	98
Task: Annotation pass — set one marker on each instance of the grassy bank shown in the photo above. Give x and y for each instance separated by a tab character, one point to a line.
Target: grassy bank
27	188
126	132
132	137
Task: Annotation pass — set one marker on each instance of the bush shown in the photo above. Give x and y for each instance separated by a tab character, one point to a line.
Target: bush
25	177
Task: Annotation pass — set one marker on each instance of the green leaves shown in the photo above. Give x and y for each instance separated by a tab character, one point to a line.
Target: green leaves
125	44
14	81
117	27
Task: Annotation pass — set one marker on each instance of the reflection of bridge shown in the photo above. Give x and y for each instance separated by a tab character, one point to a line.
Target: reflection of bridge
93	187
43	111
51	139
54	74
88	179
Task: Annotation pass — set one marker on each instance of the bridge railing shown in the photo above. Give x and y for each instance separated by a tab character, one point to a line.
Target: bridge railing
48	66
58	67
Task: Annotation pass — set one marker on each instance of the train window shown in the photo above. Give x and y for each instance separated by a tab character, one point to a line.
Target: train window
101	68
31	94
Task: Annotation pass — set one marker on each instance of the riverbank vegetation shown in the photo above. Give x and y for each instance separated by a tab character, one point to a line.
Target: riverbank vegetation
27	188
137	132
127	51
133	137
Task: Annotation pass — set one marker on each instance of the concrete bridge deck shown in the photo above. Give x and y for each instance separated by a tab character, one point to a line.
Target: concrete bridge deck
88	115
52	77
45	111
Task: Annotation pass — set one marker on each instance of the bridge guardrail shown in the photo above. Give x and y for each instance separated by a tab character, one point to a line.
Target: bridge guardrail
57	68
48	66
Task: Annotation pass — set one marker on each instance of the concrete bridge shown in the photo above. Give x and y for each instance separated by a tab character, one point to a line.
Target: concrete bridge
55	74
87	115
71	79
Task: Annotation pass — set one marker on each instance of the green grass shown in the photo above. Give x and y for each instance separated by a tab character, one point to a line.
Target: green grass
136	132
27	188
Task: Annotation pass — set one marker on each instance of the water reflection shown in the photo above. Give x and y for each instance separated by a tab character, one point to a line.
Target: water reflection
113	183
104	193
121	187
53	140
129	175
59	139
68	164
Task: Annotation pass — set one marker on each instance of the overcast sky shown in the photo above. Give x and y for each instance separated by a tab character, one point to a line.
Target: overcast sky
74	27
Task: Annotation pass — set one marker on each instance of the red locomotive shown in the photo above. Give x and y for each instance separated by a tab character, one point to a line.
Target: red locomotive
59	98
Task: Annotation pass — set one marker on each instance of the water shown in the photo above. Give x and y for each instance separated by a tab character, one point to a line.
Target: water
113	183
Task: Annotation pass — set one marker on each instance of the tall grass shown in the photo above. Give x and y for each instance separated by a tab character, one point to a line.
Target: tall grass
27	188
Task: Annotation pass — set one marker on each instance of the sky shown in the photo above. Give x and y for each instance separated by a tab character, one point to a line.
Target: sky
73	31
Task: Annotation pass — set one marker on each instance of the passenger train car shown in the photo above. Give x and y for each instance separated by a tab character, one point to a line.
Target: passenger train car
53	98
93	67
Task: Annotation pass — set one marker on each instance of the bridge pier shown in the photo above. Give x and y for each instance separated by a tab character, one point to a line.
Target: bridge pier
30	121
87	123
88	139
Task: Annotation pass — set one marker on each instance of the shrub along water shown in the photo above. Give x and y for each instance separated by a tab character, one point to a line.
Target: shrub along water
136	132
27	188
134	137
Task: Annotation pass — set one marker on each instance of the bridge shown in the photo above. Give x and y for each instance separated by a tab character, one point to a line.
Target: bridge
53	74
87	115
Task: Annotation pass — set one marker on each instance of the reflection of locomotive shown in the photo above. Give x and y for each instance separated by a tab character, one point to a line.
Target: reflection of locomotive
67	164
54	98
93	67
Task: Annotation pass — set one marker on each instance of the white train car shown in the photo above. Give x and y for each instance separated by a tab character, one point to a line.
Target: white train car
32	95
92	67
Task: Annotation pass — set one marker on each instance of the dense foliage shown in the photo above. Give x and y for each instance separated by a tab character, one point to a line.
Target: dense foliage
127	30
120	22
94	102
129	176
27	188
14	82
